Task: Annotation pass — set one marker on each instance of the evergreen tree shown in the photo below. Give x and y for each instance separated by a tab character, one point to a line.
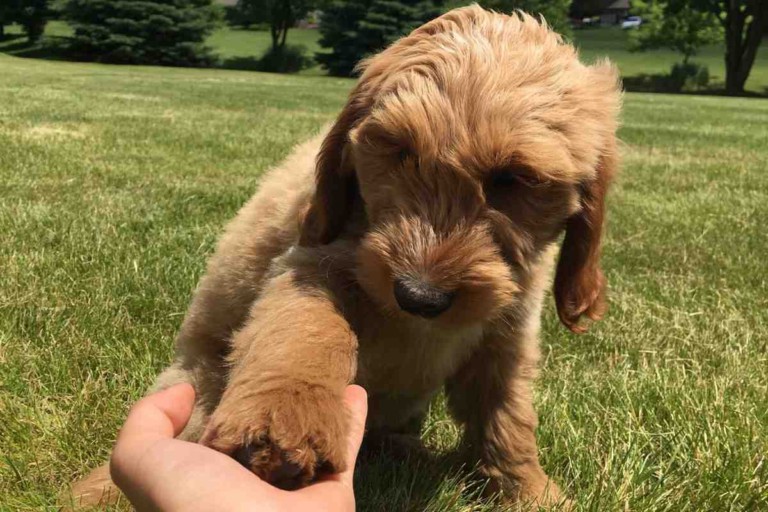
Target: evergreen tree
555	12
354	29
164	32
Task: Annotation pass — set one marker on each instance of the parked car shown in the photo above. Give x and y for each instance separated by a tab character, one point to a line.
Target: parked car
631	22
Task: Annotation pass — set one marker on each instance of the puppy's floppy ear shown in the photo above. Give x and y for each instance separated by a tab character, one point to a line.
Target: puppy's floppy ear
334	177
579	281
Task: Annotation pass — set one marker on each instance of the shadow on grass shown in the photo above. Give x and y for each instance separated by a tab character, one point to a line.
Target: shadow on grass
661	83
47	48
242	64
416	480
281	59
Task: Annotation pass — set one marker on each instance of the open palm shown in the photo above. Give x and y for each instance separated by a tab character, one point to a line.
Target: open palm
158	472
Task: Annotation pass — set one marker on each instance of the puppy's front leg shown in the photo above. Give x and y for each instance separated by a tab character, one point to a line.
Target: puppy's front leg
282	413
491	395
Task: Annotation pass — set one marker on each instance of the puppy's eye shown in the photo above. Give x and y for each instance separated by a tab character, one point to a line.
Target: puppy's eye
507	179
405	156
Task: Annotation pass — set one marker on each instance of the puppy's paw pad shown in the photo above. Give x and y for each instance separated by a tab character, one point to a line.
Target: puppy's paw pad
287	438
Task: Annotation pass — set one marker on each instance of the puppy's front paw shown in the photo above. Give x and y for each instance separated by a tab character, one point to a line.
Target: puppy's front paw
287	437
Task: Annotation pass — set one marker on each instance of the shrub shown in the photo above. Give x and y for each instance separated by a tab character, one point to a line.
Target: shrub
688	77
148	32
285	59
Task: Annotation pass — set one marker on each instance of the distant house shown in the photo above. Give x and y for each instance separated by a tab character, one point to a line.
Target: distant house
311	20
614	12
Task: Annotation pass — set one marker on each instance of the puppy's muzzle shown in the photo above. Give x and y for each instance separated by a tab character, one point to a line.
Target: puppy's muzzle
421	299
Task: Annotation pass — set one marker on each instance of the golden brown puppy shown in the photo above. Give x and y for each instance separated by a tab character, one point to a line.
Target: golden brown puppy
418	257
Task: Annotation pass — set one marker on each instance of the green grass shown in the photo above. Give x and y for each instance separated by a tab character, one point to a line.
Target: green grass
239	49
233	42
115	182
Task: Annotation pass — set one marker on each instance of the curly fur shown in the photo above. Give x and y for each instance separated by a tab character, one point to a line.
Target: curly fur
462	155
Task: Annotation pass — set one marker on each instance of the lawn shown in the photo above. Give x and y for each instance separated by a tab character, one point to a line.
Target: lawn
116	180
240	49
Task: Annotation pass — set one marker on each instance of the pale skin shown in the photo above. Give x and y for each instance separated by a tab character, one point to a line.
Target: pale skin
159	473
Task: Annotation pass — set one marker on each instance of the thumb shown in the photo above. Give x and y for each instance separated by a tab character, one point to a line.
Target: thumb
356	399
162	414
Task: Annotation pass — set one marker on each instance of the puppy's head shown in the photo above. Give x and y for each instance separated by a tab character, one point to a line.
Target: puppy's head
472	144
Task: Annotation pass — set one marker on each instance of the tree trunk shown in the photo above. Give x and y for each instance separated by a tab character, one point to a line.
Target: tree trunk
285	19
274	32
741	47
285	35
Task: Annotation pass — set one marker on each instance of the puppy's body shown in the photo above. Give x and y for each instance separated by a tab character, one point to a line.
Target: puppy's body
418	257
400	363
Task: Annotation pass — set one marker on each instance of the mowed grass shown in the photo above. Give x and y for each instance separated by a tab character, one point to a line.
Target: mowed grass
116	181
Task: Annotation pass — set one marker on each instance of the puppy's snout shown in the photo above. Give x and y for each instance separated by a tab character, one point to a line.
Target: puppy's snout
420	298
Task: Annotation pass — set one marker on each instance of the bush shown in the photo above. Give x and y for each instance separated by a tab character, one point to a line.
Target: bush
683	77
146	32
688	77
285	59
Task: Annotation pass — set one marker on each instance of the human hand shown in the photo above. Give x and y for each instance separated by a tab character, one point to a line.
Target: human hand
159	473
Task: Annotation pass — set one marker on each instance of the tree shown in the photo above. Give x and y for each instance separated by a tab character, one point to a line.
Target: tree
280	15
339	32
745	22
165	32
674	24
354	29
32	15
555	12
7	16
584	8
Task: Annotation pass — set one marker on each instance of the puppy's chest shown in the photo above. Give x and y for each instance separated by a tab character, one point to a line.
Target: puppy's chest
411	358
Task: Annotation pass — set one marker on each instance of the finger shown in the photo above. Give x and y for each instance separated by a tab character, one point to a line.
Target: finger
356	399
162	414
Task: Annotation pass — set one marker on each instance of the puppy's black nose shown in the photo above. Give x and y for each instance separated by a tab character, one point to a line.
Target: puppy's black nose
419	298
